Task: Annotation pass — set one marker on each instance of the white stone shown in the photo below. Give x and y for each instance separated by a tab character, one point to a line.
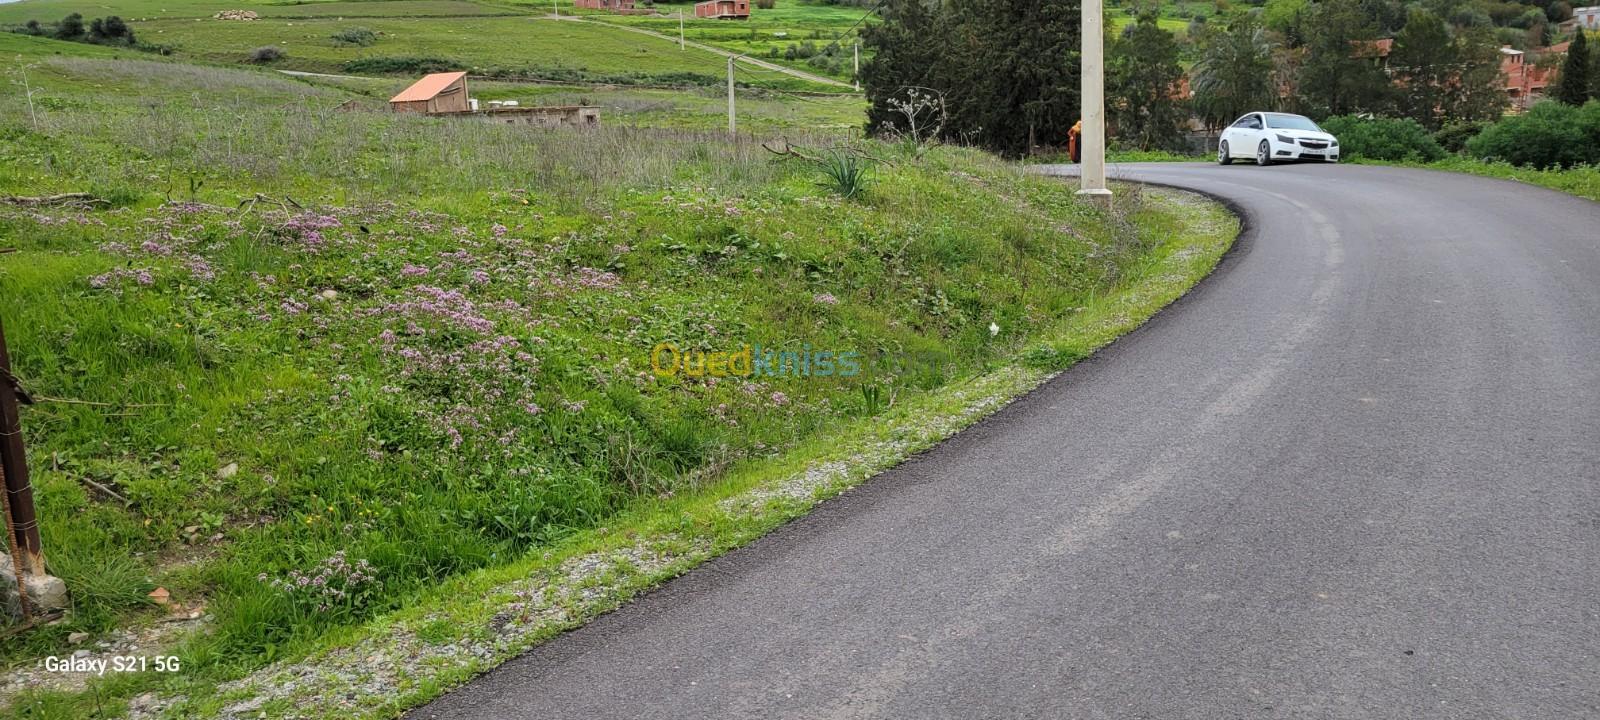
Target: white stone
46	593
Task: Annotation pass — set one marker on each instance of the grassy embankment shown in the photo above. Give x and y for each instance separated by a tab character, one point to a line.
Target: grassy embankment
1581	181
437	364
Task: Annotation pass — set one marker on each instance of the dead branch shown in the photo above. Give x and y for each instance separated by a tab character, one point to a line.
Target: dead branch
249	204
103	490
784	149
69	401
78	199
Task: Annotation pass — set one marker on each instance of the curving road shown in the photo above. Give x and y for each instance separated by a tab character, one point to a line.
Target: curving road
1354	474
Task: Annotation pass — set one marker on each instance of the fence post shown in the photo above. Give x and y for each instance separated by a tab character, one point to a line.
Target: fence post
19	490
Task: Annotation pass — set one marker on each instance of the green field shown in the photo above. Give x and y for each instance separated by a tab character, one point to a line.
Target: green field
51	10
506	41
768	33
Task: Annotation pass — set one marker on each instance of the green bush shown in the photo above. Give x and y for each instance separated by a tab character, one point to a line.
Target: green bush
1453	137
402	65
1383	139
357	36
266	54
1550	135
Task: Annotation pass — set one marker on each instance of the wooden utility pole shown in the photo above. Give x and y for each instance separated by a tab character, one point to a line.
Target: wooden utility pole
19	490
1092	143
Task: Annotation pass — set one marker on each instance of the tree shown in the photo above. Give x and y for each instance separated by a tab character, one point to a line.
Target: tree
70	27
1572	87
1234	74
1342	74
900	60
1439	78
1424	64
1479	92
1594	75
1143	75
1013	72
1006	71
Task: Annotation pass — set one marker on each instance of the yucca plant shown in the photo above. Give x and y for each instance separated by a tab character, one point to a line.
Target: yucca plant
844	172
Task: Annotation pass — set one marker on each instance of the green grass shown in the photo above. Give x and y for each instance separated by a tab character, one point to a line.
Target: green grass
53	10
511	46
768	33
1581	181
440	365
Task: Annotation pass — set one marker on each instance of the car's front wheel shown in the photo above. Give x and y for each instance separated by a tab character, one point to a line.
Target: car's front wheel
1264	153
1223	158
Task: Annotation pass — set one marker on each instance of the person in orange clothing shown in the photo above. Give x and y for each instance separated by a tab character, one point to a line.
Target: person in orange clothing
1072	140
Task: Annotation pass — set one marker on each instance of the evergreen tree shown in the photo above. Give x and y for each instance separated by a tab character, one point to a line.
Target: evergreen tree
1424	62
900	60
1013	72
1341	74
1594	75
1479	91
1006	71
1142	75
1234	74
70	27
1573	87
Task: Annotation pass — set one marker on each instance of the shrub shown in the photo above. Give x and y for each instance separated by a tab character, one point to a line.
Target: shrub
358	36
402	65
1383	139
110	30
1550	135
766	4
266	54
844	172
1453	137
70	27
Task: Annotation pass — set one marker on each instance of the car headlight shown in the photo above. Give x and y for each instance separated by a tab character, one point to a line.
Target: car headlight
1336	142
1285	139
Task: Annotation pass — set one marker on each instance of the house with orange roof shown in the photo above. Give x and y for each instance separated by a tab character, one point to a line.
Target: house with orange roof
1526	79
434	94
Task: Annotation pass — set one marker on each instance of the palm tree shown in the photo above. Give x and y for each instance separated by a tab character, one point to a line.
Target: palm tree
1235	73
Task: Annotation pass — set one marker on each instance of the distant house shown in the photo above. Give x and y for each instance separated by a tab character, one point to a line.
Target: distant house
434	94
1525	80
1374	50
1587	17
604	4
723	9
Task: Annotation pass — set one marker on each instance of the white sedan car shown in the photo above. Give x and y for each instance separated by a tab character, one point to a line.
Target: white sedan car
1269	137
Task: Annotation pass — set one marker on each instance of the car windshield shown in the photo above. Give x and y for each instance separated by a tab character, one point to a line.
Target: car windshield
1291	122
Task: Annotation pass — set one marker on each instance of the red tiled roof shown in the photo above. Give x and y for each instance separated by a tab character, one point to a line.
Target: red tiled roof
1372	48
427	87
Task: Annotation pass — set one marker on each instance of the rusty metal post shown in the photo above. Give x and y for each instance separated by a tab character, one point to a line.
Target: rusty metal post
11	547
19	490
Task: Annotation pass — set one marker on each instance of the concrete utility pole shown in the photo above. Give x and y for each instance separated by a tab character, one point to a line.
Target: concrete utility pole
858	67
1092	141
680	29
732	129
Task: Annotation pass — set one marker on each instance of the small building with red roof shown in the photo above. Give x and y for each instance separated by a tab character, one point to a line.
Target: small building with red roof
434	94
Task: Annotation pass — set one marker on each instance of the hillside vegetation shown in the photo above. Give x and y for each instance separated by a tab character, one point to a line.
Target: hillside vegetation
386	351
523	41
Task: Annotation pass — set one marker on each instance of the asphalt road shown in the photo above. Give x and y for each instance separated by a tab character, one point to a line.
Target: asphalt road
1354	474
